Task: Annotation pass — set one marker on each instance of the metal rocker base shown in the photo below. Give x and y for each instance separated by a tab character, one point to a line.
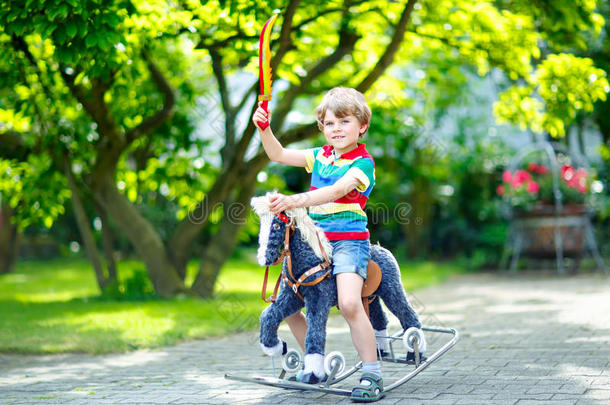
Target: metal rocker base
334	364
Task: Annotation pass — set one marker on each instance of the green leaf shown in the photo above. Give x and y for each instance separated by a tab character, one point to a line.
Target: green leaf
60	34
82	29
63	11
71	29
91	40
47	29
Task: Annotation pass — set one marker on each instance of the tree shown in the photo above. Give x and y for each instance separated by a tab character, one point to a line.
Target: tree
86	53
106	73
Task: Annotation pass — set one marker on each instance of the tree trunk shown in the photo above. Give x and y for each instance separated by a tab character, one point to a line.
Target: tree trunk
108	243
142	235
179	247
223	243
8	240
84	228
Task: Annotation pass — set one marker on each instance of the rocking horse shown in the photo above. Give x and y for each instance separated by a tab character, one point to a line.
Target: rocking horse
307	282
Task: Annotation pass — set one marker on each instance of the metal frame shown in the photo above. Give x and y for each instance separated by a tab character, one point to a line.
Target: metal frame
281	382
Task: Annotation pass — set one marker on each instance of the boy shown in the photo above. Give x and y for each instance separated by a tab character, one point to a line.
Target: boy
342	179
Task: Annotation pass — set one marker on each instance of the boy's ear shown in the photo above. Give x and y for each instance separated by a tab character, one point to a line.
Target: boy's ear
363	128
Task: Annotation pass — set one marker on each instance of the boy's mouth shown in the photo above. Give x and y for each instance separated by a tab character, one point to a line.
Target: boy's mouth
338	137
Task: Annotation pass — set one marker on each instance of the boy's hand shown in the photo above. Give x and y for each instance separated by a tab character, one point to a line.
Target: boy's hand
281	202
260	116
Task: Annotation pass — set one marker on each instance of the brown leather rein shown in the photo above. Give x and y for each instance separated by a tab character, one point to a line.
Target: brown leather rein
289	278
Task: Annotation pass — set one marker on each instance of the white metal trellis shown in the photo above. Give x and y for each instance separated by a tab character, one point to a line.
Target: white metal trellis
515	240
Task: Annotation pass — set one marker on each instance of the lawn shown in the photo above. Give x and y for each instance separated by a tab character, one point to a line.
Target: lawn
55	306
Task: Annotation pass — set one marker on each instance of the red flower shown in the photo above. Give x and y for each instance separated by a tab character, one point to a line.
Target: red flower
542	169
500	190
567	173
537	168
532	187
520	177
507	176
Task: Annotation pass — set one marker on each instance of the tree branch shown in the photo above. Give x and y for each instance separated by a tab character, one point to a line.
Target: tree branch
347	41
296	134
284	39
20	45
163	114
225	100
225	42
390	51
324	12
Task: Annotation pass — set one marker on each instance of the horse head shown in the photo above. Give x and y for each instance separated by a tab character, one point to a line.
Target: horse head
273	230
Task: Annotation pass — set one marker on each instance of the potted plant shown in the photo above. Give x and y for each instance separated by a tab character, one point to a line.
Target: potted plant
530	192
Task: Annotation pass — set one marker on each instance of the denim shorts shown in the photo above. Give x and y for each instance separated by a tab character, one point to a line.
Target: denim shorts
351	256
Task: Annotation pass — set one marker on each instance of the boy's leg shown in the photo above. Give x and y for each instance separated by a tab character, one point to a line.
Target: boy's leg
349	286
298	326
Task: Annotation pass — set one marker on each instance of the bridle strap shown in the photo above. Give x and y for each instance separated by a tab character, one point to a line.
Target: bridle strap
285	253
288	278
264	290
301	281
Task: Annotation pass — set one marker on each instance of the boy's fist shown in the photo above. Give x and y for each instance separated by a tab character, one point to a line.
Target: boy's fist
261	117
281	202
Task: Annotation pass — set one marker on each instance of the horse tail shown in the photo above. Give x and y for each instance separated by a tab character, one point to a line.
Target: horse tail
391	290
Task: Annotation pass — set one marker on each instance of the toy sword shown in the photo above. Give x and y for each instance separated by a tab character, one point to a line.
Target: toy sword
264	66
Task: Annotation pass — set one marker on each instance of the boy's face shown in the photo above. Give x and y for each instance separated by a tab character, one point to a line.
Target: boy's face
342	133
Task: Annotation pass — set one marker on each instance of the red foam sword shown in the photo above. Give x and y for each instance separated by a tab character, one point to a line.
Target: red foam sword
264	66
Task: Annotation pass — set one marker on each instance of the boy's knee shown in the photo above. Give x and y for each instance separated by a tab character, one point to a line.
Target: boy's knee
350	307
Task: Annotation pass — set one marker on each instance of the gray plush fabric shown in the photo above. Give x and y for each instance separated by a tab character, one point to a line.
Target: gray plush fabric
322	296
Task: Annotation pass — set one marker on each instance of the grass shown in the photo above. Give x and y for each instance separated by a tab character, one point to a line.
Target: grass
54	306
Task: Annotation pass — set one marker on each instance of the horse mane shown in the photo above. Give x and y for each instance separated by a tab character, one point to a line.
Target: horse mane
309	231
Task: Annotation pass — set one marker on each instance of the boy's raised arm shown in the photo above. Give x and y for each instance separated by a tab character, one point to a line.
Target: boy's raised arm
273	148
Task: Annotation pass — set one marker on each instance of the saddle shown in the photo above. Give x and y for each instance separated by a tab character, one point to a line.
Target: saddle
373	279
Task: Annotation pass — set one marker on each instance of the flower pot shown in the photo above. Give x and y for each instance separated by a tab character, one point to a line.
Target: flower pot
537	228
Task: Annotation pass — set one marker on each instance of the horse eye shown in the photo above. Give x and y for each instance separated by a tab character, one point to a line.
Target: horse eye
276	226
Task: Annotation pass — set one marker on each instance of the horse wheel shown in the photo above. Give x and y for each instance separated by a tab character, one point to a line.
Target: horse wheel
410	336
334	360
292	361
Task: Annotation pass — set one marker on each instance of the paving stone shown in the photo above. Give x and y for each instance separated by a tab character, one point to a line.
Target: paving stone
525	339
545	402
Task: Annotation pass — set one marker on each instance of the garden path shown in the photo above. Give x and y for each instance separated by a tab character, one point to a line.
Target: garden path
530	339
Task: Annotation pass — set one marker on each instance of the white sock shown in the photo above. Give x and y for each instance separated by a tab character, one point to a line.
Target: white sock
382	340
372	367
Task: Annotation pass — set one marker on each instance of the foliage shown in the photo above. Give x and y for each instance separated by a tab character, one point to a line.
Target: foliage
35	192
435	180
562	86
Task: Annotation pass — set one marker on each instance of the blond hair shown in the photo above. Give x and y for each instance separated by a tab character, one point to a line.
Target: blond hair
343	101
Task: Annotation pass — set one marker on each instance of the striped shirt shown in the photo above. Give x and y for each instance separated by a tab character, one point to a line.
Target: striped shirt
344	218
